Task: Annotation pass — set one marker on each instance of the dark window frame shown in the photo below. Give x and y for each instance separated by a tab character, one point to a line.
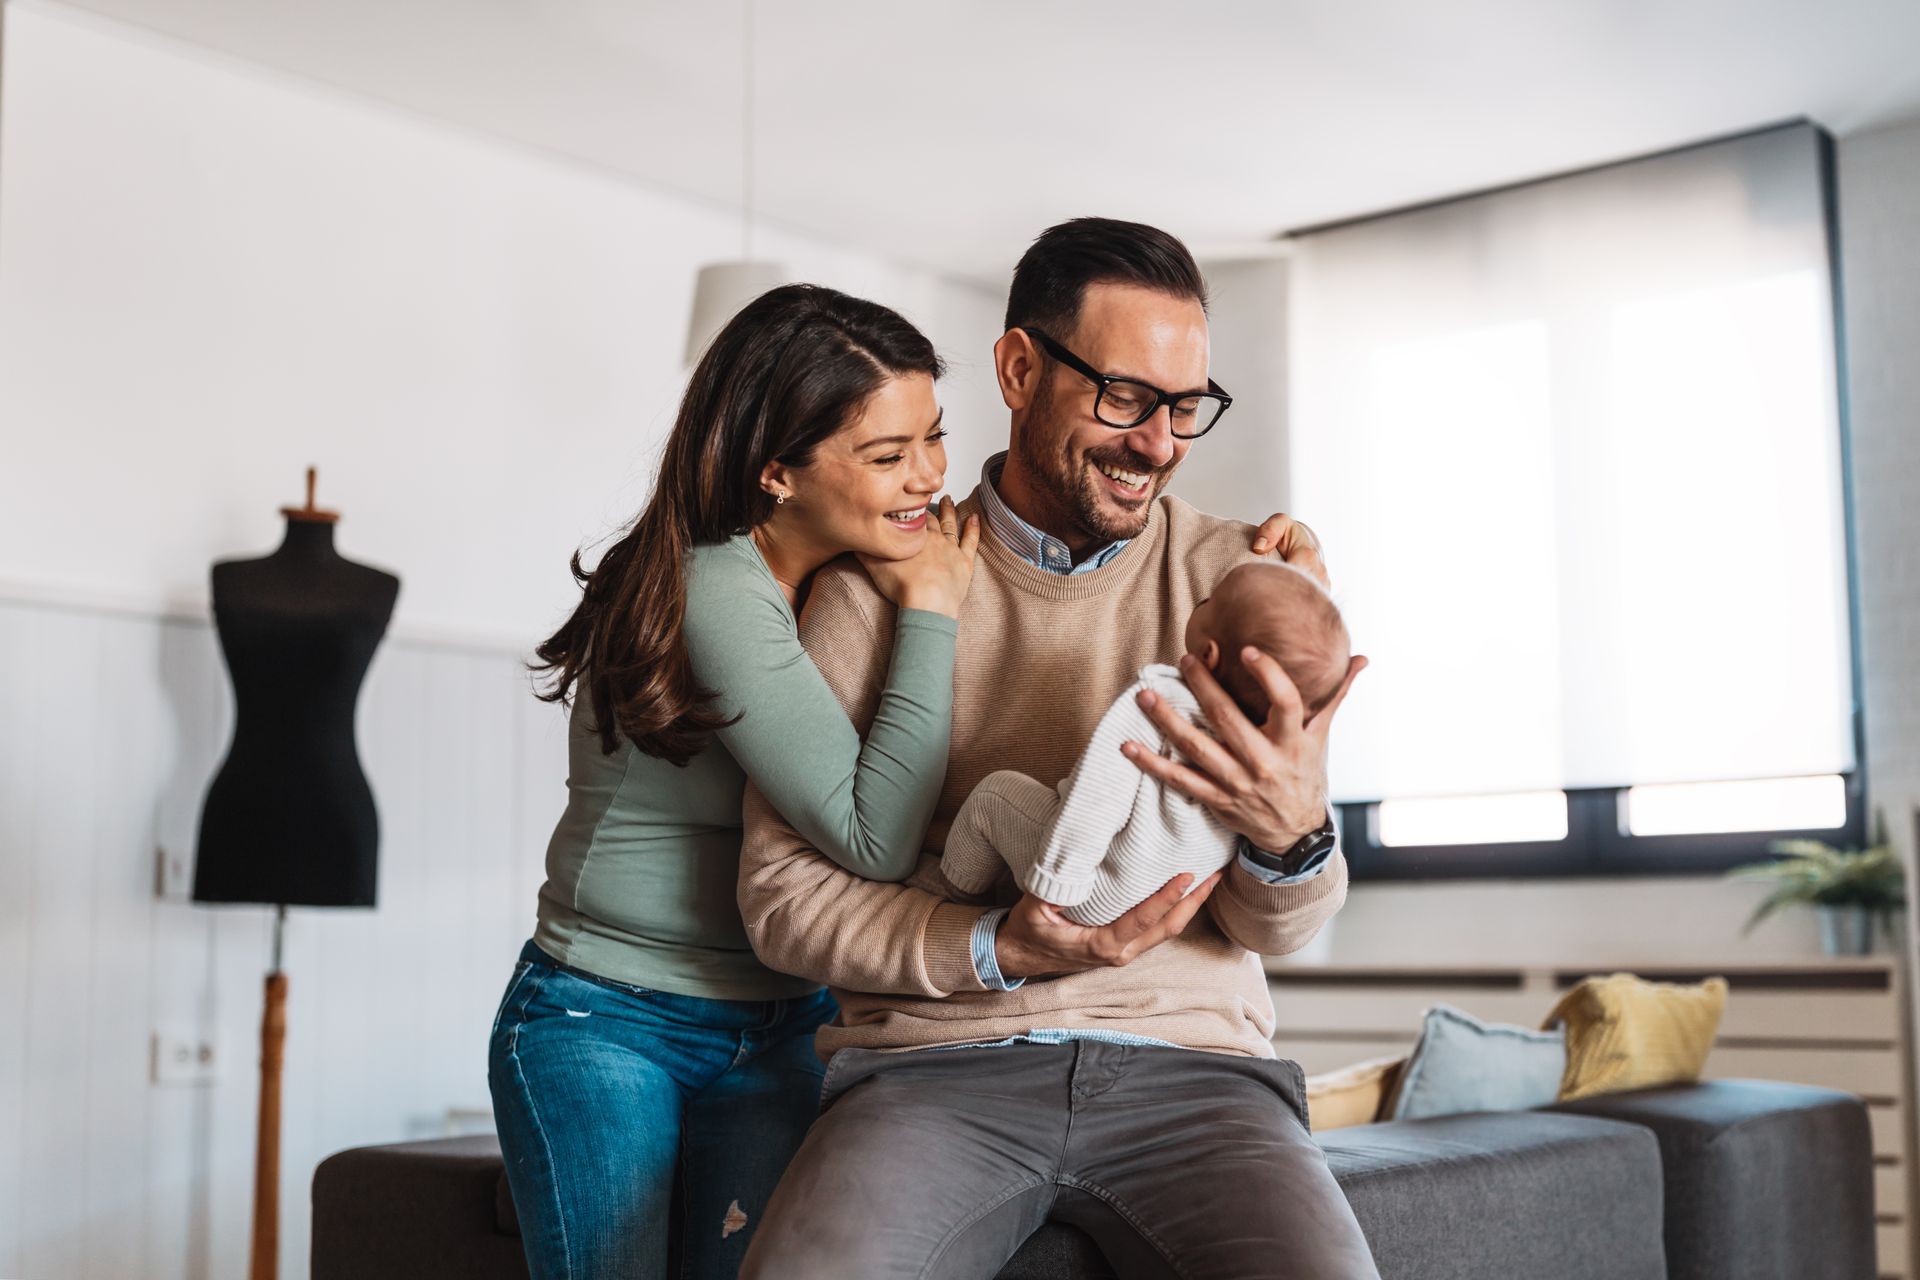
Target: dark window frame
1597	844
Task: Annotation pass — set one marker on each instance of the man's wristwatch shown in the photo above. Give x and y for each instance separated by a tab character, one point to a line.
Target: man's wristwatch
1306	853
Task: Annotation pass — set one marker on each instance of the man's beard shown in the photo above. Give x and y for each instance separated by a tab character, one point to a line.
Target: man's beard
1072	490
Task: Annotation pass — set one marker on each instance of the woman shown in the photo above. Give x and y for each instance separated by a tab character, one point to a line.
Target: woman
644	1064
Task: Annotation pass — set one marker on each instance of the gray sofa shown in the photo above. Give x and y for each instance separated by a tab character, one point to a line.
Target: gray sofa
1733	1178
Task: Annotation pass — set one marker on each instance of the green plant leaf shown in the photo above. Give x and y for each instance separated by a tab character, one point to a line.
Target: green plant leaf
1785	895
1811	871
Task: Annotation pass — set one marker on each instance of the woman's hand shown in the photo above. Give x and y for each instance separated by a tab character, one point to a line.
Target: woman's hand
935	578
1295	543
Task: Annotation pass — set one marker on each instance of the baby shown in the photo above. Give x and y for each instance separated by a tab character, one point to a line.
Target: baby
1110	835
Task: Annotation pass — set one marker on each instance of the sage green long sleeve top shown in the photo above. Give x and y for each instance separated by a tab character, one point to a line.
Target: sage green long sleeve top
641	867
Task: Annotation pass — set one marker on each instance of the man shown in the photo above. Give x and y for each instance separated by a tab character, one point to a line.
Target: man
996	1068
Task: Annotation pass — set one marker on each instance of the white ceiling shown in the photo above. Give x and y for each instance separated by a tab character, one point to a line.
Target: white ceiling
947	134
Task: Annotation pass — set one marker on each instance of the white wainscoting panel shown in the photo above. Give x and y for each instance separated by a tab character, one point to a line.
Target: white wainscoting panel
112	723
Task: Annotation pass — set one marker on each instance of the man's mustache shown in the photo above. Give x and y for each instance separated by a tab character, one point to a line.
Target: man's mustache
1128	460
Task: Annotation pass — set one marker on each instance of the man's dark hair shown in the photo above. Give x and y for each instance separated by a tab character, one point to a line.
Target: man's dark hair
1056	269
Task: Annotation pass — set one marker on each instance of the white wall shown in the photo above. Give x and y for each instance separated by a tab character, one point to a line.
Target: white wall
1879	175
1239	468
210	276
1880	254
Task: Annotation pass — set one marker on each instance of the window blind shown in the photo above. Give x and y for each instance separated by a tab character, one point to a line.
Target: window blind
1574	452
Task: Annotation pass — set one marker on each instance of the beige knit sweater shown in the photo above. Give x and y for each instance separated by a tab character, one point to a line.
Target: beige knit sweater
1040	657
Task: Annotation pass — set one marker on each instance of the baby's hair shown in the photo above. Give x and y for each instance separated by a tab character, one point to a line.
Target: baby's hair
1288	615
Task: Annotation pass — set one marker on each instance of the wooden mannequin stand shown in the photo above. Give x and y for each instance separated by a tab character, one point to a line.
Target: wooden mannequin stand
266	1153
273	1038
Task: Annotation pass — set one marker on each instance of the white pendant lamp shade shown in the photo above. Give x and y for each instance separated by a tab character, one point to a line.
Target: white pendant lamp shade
719	291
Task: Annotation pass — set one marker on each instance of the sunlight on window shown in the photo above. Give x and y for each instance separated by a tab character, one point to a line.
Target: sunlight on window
1724	527
1504	819
1455	448
1766	804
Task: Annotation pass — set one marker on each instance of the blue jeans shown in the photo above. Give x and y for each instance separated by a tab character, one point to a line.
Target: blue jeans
602	1092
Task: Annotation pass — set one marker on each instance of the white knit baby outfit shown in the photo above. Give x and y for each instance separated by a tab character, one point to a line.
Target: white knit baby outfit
1108	837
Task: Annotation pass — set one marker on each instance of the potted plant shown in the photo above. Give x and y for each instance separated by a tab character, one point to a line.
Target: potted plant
1850	888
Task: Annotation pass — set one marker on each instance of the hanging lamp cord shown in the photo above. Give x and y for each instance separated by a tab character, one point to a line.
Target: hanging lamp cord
746	132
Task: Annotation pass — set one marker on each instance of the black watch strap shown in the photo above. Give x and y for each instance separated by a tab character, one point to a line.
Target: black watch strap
1306	853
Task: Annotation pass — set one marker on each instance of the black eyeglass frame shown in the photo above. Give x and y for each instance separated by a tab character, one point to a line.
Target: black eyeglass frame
1102	381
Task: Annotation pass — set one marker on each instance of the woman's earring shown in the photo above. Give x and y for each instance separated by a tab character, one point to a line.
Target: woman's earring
780	498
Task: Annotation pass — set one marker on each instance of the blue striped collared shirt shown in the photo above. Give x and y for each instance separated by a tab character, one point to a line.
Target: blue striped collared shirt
1040	549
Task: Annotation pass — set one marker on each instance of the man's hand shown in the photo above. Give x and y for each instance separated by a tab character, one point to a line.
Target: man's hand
1036	941
1294	542
1267	783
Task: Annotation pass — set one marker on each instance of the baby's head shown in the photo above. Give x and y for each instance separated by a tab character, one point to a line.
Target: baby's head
1282	611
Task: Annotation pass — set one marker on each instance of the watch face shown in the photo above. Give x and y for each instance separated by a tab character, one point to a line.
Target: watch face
1312	847
1305	852
1318	839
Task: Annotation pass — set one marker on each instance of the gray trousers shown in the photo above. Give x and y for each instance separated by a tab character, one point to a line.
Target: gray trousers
939	1163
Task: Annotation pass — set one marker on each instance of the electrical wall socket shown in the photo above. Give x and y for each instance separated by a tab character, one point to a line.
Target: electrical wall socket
182	1057
173	874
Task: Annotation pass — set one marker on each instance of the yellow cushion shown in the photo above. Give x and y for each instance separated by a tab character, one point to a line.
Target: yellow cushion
1352	1095
1624	1032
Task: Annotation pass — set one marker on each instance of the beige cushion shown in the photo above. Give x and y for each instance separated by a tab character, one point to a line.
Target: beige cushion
1352	1095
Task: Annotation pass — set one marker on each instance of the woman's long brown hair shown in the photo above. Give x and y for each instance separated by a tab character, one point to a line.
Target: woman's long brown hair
794	366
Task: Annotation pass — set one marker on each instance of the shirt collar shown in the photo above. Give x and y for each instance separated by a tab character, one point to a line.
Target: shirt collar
1039	549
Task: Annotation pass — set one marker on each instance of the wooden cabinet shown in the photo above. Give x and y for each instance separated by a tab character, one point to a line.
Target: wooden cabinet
1841	1023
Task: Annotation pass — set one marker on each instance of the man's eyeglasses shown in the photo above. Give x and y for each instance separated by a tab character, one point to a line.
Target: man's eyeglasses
1123	403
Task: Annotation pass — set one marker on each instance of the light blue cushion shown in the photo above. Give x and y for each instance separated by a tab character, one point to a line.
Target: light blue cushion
1464	1064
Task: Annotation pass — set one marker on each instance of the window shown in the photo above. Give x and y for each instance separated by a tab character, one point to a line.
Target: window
1777	804
1575	449
1526	818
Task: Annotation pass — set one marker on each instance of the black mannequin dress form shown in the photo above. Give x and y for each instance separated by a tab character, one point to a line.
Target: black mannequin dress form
290	817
